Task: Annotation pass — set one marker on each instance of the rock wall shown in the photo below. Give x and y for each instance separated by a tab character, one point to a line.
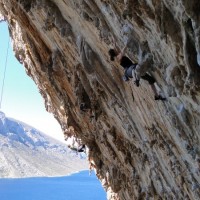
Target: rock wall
140	148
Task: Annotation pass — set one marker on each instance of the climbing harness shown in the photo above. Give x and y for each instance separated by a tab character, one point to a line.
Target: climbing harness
4	74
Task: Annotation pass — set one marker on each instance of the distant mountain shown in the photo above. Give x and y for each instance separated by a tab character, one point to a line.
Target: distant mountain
27	152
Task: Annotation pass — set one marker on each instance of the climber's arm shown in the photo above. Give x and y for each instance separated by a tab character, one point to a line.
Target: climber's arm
122	52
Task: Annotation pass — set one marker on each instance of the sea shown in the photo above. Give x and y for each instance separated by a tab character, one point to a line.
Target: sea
78	186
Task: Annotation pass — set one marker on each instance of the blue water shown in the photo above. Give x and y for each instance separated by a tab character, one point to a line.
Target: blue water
78	186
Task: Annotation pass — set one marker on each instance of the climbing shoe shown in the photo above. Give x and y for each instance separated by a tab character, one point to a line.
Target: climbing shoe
159	97
137	82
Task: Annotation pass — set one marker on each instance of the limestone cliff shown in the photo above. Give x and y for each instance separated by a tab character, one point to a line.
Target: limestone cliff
140	148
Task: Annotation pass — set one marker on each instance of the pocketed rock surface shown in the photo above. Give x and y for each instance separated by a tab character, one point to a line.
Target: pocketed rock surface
139	147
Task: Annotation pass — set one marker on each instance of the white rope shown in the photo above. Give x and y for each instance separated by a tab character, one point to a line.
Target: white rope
4	74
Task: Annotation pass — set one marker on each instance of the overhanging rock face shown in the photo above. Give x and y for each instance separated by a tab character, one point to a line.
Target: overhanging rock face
140	148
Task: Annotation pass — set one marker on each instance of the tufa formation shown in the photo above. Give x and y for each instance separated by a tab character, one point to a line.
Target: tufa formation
139	147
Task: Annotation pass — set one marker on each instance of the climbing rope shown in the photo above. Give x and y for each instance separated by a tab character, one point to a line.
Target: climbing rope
4	74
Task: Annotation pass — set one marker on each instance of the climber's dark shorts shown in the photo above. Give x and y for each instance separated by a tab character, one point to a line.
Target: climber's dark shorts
146	77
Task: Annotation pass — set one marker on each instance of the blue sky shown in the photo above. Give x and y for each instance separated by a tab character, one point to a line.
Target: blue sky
21	98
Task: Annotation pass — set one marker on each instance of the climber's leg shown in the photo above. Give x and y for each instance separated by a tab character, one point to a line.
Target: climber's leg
152	81
81	148
135	78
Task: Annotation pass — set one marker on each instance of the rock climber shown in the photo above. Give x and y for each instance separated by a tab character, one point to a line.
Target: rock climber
87	109
79	149
130	69
77	145
84	107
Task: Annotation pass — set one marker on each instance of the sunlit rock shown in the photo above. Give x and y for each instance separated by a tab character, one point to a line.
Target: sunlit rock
139	147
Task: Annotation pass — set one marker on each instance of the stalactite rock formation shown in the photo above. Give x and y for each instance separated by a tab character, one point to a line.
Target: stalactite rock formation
139	147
